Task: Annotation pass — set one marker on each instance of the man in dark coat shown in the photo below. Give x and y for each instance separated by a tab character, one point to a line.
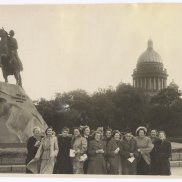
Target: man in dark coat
163	154
63	164
154	163
86	135
128	150
106	139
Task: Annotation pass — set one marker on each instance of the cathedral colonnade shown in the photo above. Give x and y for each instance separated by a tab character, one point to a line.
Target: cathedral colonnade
150	83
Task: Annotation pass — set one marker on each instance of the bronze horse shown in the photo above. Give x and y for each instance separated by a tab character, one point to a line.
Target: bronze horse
9	66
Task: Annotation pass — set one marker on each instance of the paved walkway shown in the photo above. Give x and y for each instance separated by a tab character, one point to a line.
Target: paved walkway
176	171
176	145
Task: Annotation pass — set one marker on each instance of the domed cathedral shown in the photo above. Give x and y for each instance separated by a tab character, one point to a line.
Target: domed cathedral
150	75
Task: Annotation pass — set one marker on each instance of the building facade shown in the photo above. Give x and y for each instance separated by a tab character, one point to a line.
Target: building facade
150	75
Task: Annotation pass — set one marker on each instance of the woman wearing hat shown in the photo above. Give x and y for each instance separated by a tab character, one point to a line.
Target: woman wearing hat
144	146
113	153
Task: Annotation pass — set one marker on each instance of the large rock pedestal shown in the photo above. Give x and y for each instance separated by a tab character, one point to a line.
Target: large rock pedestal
18	115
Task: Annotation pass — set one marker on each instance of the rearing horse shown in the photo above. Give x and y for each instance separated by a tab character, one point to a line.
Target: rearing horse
10	64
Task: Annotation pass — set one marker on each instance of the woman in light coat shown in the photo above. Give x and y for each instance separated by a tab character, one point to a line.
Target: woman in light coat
45	157
144	147
79	146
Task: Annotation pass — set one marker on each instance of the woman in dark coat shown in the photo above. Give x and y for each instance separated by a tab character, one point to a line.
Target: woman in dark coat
163	154
63	164
129	150
33	144
96	155
113	153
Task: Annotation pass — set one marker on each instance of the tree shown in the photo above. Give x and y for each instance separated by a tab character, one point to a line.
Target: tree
131	107
166	111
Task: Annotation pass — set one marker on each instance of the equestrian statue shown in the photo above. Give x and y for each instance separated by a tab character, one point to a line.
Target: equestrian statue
10	62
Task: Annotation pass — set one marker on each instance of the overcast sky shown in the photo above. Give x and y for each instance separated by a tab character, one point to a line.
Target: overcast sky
65	47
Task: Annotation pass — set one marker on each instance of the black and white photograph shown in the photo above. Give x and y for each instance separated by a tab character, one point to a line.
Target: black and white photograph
91	89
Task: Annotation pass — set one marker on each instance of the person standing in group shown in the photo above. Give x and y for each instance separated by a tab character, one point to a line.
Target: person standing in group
163	154
144	146
113	153
33	144
107	138
86	135
45	157
129	154
154	139
96	155
108	135
63	163
79	148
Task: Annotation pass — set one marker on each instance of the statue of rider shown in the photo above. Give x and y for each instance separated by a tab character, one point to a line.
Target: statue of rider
13	47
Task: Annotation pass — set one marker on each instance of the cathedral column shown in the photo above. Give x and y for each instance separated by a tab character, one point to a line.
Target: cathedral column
141	82
165	83
145	85
150	83
162	83
137	83
159	84
154	83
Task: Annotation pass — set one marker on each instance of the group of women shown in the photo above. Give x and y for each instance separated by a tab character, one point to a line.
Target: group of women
113	153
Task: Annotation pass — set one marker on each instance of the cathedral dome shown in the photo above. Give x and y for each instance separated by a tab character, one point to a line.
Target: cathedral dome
150	55
173	85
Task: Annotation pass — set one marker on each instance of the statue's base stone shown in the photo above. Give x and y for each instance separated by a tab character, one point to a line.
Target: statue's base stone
12	160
